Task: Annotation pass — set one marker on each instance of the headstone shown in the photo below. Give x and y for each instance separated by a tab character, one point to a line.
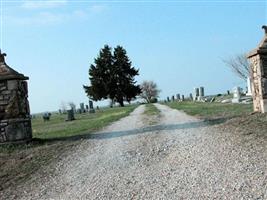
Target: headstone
182	97
191	96
249	93
15	118
212	100
258	75
46	116
173	98
236	95
201	92
87	108
196	94
82	107
91	107
168	99
228	92
178	97
70	115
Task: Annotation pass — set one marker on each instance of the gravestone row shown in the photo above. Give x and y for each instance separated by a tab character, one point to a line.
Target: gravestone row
90	109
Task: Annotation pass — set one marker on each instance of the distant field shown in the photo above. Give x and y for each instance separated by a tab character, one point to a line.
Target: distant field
211	110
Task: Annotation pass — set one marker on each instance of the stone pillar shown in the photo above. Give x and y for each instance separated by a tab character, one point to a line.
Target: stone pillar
178	97
173	98
258	75
182	97
15	119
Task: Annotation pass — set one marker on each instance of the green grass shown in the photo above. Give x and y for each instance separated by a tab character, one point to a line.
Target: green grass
151	109
85	123
212	110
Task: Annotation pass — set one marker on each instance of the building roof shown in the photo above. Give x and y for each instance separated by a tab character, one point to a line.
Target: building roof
262	47
7	73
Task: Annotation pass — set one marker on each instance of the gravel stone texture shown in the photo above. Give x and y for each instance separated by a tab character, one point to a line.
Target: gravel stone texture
180	157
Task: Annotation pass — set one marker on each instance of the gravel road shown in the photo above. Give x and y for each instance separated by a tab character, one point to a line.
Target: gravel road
180	157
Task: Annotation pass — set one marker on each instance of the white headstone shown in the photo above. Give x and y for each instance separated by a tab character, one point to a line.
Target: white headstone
249	93
236	95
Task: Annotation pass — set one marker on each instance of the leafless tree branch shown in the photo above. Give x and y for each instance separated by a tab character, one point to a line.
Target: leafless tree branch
239	65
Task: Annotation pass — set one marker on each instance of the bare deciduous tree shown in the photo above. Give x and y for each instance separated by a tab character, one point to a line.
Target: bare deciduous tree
239	65
149	91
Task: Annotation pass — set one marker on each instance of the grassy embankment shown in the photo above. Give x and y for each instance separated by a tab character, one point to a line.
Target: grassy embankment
52	140
239	118
212	110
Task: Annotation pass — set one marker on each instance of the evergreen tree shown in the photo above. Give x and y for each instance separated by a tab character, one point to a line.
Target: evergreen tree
123	76
99	75
112	76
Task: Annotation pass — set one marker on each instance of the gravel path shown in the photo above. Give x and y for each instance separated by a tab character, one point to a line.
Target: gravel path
181	157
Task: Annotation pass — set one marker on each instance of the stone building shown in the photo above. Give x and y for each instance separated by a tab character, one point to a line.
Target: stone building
258	64
15	120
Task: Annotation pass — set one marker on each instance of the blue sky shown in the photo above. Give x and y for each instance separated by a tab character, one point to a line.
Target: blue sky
177	44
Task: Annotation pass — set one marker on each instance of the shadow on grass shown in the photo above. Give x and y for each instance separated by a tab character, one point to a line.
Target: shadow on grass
114	134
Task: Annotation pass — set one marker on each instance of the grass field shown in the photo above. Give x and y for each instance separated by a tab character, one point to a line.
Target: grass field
85	123
212	110
52	141
237	118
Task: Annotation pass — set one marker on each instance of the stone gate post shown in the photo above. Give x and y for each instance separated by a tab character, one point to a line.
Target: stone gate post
258	75
15	119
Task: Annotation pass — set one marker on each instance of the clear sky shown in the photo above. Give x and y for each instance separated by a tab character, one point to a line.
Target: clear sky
177	44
